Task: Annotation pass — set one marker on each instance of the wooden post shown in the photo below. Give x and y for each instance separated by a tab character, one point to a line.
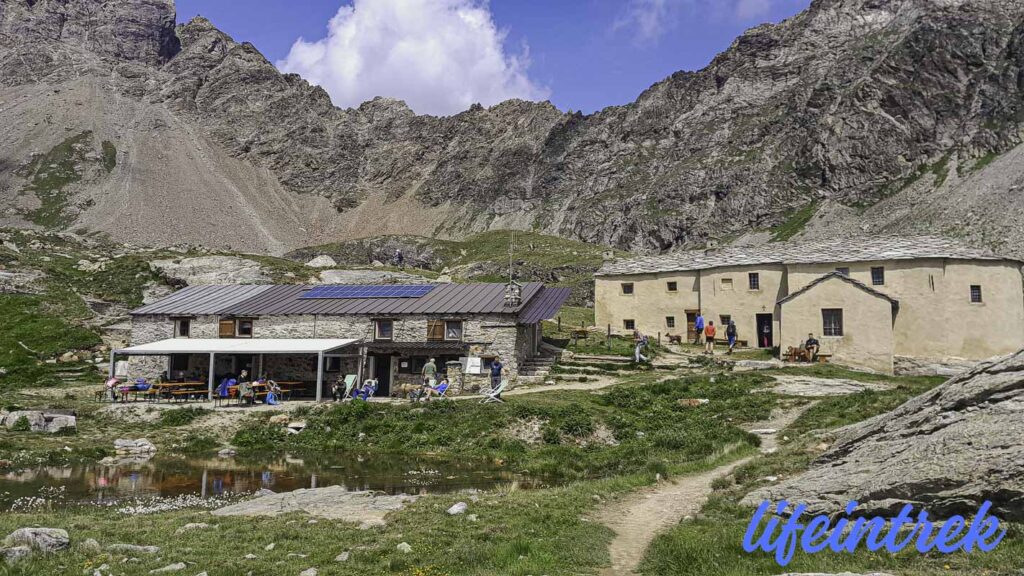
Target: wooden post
113	364
559	322
659	338
608	338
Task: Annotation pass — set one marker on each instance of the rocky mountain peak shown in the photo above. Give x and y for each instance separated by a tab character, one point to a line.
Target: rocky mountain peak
854	116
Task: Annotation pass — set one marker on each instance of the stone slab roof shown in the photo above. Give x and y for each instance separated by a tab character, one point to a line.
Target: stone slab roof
843	277
866	249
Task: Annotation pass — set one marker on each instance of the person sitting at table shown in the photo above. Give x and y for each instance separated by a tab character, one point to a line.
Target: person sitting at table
223	389
112	386
273	392
245	393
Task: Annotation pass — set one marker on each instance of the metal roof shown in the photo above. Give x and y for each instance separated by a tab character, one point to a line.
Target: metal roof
202	299
545	305
840	276
876	248
237	346
287	300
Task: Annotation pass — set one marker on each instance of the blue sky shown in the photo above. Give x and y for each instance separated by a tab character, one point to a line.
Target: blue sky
580	54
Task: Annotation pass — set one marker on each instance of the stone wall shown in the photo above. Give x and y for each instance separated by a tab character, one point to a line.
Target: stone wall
486	334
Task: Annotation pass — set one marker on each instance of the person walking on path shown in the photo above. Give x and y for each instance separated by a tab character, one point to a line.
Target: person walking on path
429	372
709	338
698	328
730	334
639	343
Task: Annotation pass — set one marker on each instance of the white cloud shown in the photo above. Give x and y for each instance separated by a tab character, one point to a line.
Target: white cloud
440	56
649	20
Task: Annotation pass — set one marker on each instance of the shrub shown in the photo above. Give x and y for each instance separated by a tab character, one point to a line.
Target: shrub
21	425
181	416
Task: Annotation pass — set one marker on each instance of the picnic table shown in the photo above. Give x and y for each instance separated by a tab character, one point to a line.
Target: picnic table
261	391
178	390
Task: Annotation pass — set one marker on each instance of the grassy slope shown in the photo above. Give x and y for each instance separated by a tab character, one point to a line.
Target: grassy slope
711	545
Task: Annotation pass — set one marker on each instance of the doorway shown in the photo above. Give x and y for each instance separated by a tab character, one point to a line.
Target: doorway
381	371
691	325
765	331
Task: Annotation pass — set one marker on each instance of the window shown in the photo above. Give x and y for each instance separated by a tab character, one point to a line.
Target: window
670	321
975	294
627	287
877	276
726	284
673	286
332	363
453	330
383	329
629	324
844	270
724	319
244	329
412	365
227	328
755	280
182	328
435	330
832	321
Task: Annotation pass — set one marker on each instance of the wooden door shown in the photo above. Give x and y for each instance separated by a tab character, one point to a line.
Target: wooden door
691	325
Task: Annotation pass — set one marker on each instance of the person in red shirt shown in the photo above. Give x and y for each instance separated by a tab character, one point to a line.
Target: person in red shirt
709	338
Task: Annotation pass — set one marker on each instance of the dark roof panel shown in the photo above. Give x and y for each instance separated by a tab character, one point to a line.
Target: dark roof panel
287	300
545	305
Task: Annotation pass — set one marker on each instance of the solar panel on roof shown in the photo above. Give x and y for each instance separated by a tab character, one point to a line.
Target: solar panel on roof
369	291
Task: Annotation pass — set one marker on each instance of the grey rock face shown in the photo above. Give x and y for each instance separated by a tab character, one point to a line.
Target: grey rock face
947	451
15	554
851	103
333	502
212	270
45	540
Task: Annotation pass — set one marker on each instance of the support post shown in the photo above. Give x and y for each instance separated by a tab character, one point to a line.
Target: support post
608	338
209	378
113	364
319	376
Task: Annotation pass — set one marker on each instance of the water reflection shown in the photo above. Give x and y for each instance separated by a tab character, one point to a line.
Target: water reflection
210	477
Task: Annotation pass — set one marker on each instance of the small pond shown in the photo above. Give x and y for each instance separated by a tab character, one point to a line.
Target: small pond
217	477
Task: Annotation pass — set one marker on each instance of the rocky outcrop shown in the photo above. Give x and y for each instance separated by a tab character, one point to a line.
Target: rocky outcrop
206	270
903	105
39	421
948	451
334	502
44	540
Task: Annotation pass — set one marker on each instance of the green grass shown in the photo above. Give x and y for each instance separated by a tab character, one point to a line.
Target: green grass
32	331
652	431
182	416
50	174
109	156
795	222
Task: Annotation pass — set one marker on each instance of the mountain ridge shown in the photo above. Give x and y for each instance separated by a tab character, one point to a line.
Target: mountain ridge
866	112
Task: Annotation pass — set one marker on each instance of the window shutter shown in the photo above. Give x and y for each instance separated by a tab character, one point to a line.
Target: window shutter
227	328
435	330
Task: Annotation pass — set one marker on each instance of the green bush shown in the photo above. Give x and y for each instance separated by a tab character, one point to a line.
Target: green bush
21	425
181	416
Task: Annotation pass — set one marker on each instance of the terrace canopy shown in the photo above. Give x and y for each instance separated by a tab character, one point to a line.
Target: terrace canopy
214	346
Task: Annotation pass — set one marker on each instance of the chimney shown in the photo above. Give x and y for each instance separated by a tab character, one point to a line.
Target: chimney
711	246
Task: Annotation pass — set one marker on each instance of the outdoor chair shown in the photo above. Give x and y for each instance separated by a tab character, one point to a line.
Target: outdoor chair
491	396
350	383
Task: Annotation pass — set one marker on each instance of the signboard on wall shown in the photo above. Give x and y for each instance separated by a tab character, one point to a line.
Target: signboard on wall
472	364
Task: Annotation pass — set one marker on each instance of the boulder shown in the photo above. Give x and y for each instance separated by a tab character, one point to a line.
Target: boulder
45	540
404	547
60	423
36	421
309	572
192	526
227	453
15	554
134	447
947	451
369	277
176	567
322	261
90	547
458	508
132	549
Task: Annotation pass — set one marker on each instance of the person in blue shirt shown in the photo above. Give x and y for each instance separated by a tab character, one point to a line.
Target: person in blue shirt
496	367
698	327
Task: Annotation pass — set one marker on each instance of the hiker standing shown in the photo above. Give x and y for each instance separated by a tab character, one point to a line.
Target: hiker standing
496	367
429	372
698	328
766	334
709	338
730	334
399	259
